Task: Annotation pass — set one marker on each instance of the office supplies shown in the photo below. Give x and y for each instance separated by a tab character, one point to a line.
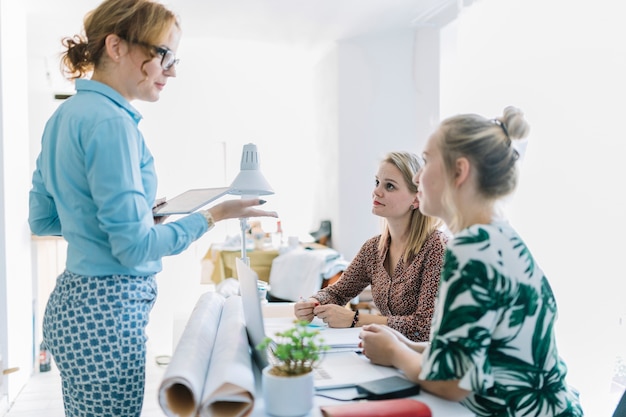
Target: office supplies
190	201
336	370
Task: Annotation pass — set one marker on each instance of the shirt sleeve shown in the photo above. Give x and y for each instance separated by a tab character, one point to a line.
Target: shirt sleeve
113	157
426	266
353	280
43	218
464	321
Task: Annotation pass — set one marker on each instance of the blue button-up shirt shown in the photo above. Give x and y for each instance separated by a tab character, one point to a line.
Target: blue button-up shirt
95	184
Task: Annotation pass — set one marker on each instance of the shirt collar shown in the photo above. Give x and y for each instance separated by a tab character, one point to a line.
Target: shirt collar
109	92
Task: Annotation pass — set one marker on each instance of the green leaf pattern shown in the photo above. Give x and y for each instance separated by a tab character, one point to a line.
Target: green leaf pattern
493	328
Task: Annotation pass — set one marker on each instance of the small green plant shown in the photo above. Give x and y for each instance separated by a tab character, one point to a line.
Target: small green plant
294	351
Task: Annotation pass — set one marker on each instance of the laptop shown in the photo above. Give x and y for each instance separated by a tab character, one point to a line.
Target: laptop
341	369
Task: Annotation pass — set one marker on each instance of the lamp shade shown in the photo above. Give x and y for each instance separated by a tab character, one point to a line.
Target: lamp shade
250	180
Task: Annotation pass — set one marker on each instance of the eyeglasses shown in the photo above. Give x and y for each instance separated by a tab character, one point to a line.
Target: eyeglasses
168	59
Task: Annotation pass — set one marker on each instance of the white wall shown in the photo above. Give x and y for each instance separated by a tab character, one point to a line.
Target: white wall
376	114
16	301
562	62
326	130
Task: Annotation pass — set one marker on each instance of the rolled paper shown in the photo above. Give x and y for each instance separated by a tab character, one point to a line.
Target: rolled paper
183	382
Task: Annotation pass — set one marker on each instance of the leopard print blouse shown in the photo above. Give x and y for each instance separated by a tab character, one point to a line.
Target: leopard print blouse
407	298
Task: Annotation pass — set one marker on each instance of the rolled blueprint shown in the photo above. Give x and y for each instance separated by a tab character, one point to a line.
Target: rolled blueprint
183	382
229	386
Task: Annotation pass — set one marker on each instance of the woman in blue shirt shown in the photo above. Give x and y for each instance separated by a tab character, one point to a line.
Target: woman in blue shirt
492	343
95	184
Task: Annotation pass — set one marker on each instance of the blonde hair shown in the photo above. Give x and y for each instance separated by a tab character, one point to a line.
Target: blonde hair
487	144
420	225
137	21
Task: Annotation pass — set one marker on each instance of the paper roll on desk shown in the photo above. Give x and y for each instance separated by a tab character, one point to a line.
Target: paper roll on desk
210	372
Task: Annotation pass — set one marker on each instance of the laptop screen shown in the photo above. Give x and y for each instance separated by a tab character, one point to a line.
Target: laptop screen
252	311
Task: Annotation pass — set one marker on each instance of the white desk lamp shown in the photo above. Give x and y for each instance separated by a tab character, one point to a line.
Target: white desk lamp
250	183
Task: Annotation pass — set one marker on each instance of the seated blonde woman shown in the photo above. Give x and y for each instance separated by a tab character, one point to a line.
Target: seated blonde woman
402	264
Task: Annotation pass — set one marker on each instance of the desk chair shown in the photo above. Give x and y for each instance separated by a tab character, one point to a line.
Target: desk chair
323	234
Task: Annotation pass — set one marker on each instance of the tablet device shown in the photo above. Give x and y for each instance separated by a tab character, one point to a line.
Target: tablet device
190	201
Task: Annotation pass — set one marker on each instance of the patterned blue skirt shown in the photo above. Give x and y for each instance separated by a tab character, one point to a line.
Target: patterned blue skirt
95	329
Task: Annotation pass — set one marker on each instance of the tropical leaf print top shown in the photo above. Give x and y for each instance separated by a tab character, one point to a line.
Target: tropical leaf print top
493	328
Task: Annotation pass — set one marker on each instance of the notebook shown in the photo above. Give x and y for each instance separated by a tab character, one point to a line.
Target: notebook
341	369
190	201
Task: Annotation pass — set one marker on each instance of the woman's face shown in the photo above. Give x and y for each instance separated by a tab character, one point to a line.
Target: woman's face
146	80
431	180
392	197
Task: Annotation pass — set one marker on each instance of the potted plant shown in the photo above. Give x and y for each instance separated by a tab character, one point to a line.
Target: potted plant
287	382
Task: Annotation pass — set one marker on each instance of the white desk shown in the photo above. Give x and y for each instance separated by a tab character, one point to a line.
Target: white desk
438	406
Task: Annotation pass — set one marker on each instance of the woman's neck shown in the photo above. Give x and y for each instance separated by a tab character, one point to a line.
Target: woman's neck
399	232
399	235
476	213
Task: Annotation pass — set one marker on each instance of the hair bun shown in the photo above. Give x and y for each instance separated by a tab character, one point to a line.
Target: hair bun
516	124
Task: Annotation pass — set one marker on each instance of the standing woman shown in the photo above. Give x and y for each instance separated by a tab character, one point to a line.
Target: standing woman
403	264
493	346
95	185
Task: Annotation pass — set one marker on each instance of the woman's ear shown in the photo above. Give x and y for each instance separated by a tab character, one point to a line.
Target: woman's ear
461	171
416	203
114	46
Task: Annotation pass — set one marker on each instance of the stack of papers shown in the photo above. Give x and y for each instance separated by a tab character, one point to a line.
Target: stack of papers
338	340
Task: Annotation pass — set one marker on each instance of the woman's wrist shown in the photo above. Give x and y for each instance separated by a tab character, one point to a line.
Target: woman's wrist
209	218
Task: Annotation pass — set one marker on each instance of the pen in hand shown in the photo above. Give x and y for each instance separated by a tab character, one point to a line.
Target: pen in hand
303	300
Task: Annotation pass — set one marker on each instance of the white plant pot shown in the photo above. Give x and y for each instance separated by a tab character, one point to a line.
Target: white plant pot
287	396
